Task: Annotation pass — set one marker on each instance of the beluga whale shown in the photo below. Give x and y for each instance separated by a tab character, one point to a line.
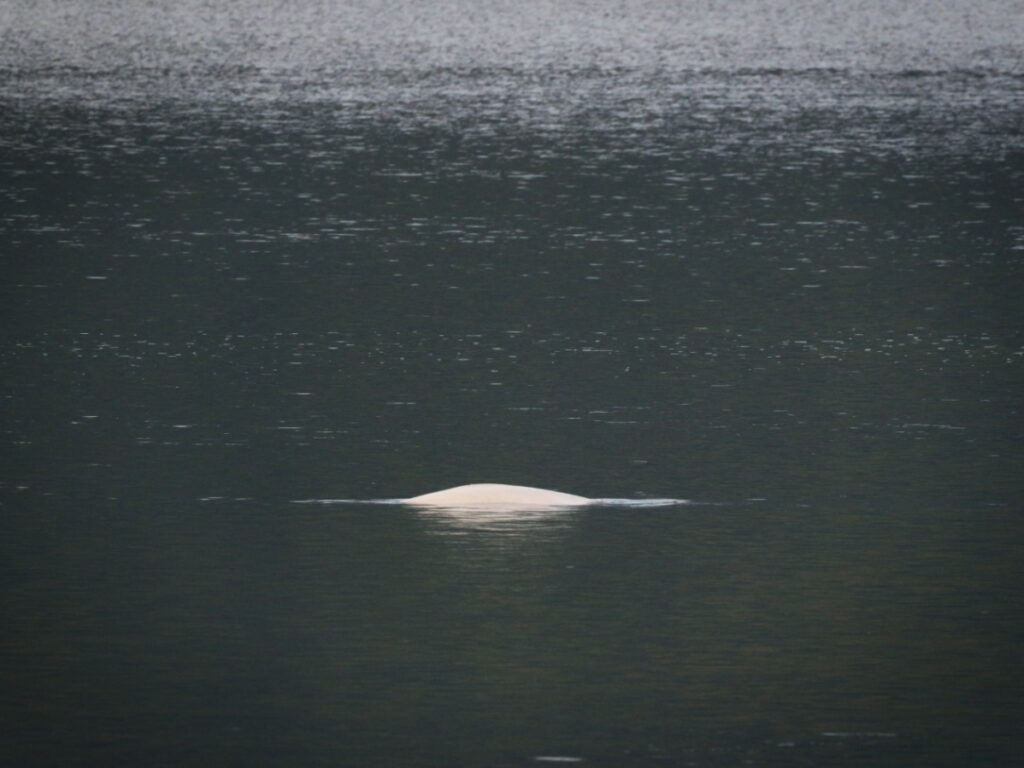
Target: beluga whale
497	495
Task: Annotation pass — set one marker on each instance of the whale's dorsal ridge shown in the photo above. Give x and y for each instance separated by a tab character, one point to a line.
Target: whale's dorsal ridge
497	494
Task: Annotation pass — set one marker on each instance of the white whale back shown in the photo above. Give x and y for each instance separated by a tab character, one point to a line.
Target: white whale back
497	495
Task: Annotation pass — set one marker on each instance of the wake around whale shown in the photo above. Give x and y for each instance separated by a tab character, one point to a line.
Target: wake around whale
497	497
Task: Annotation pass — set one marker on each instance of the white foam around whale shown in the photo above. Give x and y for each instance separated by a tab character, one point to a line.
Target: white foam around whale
504	498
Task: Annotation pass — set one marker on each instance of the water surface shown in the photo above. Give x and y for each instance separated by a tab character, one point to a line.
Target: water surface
763	257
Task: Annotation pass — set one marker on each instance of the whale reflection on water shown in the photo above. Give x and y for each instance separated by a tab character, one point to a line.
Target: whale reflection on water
493	507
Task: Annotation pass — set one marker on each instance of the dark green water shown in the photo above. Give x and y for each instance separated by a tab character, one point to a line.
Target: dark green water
255	258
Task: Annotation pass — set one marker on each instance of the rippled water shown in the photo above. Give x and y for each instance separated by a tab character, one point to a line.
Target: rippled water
766	257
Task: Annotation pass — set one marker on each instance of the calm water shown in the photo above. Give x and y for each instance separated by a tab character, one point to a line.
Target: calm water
764	256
